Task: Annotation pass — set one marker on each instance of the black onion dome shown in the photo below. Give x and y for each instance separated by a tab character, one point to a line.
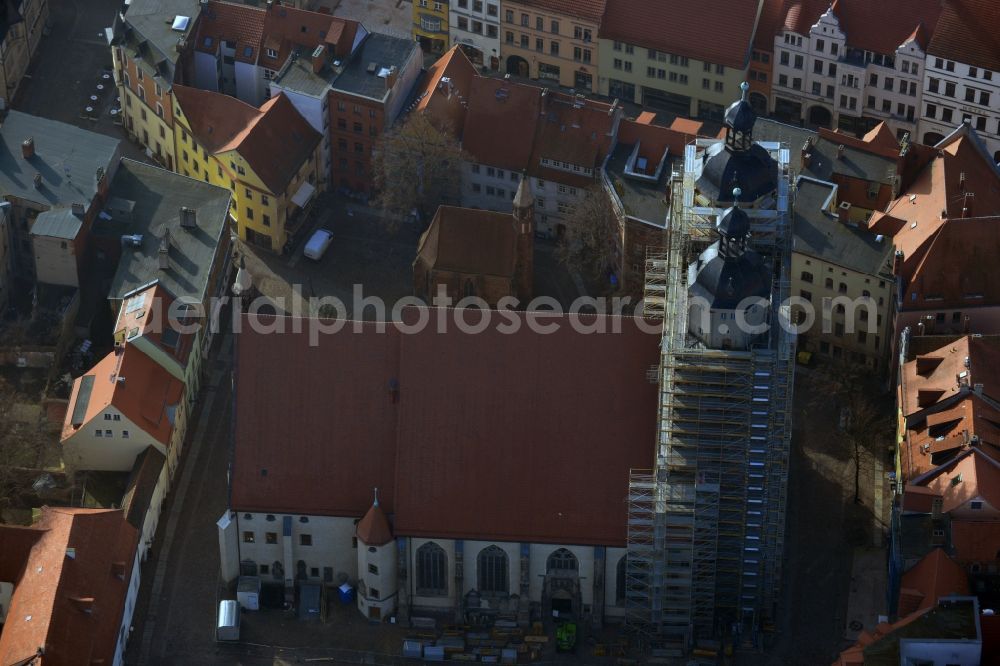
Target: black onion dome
735	223
740	116
754	170
725	283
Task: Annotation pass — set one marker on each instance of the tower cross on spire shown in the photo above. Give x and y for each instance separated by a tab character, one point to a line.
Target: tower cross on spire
376	496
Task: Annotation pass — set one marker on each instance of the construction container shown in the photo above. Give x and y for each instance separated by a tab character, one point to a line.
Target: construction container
248	592
309	601
228	625
433	653
413	649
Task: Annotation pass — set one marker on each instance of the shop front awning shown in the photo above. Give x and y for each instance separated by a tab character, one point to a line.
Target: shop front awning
304	194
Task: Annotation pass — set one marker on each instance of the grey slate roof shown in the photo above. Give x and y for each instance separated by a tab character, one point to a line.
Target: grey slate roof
159	195
152	19
643	200
299	77
820	234
66	157
57	223
383	51
856	163
766	129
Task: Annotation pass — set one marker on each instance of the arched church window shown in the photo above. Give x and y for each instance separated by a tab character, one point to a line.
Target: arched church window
620	581
562	560
493	571
432	570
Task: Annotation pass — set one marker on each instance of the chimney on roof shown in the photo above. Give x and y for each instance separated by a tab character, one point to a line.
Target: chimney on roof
318	58
38	181
961	182
807	154
189	217
840	151
897	262
28	148
85	604
390	78
844	212
163	254
79	210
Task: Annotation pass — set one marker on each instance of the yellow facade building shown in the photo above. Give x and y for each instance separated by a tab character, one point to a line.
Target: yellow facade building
552	41
687	59
269	158
430	25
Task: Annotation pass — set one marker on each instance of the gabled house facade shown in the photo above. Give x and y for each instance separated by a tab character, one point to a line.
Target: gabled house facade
124	404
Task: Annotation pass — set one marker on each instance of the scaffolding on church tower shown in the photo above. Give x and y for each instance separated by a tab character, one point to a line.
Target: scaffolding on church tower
706	525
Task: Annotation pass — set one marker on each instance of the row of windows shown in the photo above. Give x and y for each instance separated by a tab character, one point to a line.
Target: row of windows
109	433
946	115
271	538
477	6
973	72
477	27
949	90
497	173
579	32
357	127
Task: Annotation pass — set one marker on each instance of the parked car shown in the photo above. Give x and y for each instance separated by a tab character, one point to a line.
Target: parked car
318	244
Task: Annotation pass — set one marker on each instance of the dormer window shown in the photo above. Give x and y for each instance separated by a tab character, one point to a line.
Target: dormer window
271	53
208	41
248	52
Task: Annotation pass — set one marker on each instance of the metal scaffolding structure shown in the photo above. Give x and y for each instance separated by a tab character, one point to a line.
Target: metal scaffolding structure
706	525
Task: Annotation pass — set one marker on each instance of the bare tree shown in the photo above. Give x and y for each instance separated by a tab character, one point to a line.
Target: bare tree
864	417
418	165
589	244
23	447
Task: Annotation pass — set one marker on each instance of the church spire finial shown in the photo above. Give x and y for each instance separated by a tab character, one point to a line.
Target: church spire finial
376	497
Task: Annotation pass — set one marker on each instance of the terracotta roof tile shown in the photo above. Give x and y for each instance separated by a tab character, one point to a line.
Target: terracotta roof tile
241	25
971	475
275	139
572	130
976	540
801	15
501	122
772	16
470	241
883	26
591	10
968	31
936	575
46	608
146	395
716	31
465	443
373	529
933	245
446	89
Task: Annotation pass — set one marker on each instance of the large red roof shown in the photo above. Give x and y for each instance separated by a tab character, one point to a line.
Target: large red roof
500	122
518	437
885	25
591	10
75	564
716	31
968	31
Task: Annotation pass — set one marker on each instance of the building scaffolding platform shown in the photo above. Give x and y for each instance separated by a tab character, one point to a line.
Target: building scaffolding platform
706	524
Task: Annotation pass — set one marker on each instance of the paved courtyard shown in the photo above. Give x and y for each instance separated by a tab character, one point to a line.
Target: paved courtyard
71	62
365	253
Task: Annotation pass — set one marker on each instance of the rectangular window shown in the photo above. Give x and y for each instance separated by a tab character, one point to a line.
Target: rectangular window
98	433
248	537
373	569
107	433
271	537
125	434
305	540
249	213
